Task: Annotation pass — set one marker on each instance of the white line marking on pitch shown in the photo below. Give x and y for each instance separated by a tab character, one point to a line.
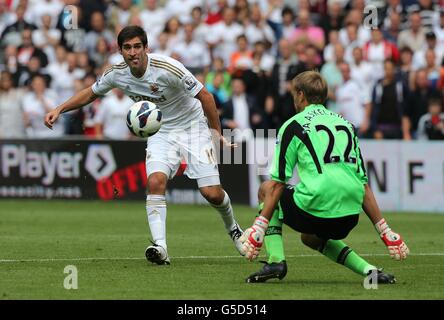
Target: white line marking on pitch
191	257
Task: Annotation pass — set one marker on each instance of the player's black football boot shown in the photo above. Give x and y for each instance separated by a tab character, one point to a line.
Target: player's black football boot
383	277
157	254
269	271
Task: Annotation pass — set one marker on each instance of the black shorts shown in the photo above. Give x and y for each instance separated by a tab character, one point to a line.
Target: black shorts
303	222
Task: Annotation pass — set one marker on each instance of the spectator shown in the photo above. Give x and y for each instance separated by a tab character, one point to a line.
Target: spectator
218	67
405	69
193	54
111	116
414	36
355	17
36	103
98	30
100	54
333	39
377	50
242	10
431	124
306	30
121	14
362	72
353	42
243	57
279	104
162	44
257	29
309	61
223	35
241	114
10	62
40	8
46	38
334	18
288	25
12	34
419	58
182	8
330	71
395	8
438	30
173	29
27	50
26	73
216	87
388	99
393	28
153	19
432	68
6	17
12	122
417	104
352	102
428	12
273	16
264	58
201	29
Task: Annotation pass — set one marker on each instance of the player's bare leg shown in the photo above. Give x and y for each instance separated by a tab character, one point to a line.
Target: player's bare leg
156	212
339	252
220	200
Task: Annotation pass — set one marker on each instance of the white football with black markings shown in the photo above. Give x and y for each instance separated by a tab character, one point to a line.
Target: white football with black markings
144	119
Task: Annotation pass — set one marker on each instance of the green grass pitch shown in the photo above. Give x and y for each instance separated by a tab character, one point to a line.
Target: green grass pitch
106	243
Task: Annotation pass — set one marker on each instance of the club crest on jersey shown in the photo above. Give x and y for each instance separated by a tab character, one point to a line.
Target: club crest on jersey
154	88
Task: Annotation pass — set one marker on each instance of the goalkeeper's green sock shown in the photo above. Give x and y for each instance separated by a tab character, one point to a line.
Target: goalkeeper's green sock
339	252
273	239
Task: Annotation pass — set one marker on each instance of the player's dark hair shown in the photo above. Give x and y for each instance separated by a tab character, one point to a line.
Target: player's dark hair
131	32
313	85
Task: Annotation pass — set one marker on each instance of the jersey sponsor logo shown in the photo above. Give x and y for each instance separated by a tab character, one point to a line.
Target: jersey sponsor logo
146	98
190	83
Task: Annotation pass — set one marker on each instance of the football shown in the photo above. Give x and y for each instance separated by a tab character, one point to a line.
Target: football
144	119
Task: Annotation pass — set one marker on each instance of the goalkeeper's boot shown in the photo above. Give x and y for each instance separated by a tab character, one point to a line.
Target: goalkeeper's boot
157	254
269	271
235	235
383	277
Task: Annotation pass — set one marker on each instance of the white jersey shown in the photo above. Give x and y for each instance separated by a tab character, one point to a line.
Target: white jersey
166	82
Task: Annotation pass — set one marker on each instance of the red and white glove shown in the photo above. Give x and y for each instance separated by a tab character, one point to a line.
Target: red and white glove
253	237
397	248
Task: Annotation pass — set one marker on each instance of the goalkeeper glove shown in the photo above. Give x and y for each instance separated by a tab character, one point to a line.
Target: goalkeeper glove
253	238
397	248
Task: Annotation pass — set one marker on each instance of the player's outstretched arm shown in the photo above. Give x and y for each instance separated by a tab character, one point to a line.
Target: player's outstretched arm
397	248
77	101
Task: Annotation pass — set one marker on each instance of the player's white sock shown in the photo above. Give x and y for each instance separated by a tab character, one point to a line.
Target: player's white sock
156	211
226	212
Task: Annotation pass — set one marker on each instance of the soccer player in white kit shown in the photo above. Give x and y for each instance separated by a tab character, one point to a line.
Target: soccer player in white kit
185	132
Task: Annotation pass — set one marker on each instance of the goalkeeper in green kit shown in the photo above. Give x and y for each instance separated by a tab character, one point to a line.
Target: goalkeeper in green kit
325	205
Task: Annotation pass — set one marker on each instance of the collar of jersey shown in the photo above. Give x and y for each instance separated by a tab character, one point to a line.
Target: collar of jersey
312	106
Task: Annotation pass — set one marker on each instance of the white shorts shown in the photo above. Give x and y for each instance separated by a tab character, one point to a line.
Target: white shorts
167	150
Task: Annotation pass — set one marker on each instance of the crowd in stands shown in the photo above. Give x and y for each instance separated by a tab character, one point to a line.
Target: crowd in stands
383	60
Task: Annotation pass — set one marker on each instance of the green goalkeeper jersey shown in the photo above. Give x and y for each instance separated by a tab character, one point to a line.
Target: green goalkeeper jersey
325	149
